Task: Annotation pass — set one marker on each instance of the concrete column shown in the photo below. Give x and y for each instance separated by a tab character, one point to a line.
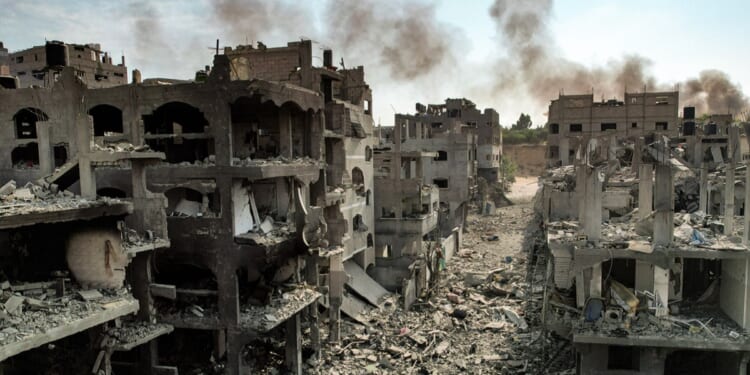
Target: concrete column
729	200
645	190
746	231
663	203
46	153
312	276
732	154
285	133
663	231
703	192
581	193
564	147
336	280
87	179
612	149
592	224
635	162
293	347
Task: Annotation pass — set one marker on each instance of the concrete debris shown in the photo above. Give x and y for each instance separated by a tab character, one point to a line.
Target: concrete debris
481	334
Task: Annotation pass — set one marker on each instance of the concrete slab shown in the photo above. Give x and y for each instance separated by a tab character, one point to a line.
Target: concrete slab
354	307
363	284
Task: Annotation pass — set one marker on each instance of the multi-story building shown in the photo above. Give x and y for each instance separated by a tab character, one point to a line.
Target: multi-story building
345	190
660	289
74	269
262	174
4	61
454	169
42	65
573	118
406	224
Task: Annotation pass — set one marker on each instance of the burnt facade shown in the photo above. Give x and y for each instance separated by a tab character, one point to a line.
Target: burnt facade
263	184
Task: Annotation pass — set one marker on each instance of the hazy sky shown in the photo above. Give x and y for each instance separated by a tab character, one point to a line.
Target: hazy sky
171	38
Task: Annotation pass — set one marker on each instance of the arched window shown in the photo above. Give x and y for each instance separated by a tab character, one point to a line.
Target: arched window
367	197
358	224
368	153
26	120
358	181
107	120
370	242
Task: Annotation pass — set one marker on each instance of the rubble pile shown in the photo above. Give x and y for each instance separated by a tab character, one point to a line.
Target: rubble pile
284	304
278	160
22	316
483	318
132	331
37	198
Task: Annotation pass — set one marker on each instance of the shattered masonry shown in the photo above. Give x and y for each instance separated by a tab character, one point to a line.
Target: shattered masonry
647	236
210	225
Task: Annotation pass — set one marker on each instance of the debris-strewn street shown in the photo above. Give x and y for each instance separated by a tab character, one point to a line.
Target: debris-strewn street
484	317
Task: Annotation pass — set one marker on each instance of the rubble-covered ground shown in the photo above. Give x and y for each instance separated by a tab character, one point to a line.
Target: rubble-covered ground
484	318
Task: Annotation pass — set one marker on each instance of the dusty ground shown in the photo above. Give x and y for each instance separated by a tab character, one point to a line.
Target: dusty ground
482	319
523	189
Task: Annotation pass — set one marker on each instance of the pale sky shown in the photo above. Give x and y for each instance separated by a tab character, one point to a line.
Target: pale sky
680	38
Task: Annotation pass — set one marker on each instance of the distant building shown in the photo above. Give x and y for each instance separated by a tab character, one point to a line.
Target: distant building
4	61
41	65
575	117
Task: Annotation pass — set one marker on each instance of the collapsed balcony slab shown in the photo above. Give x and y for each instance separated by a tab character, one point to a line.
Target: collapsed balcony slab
21	214
57	320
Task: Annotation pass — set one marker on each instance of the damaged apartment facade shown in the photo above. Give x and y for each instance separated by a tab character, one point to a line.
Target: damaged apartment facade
426	171
219	212
647	239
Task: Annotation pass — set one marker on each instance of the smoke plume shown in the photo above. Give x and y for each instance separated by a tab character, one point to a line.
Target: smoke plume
256	19
404	37
148	34
536	66
713	92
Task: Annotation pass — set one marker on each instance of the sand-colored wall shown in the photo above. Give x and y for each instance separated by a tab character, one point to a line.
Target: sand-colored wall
529	158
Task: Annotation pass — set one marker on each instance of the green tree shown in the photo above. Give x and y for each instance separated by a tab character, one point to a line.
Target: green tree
524	122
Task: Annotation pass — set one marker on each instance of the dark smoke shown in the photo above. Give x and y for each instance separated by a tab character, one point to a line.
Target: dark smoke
535	64
713	92
403	37
256	19
150	39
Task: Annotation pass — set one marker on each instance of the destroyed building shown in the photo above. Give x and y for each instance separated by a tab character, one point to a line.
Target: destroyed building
42	65
66	257
453	170
639	281
264	188
406	224
573	118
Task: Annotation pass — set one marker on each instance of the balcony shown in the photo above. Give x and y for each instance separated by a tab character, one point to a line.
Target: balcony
418	224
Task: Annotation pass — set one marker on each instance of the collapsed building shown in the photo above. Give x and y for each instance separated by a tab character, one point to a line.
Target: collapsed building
644	278
248	196
426	169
